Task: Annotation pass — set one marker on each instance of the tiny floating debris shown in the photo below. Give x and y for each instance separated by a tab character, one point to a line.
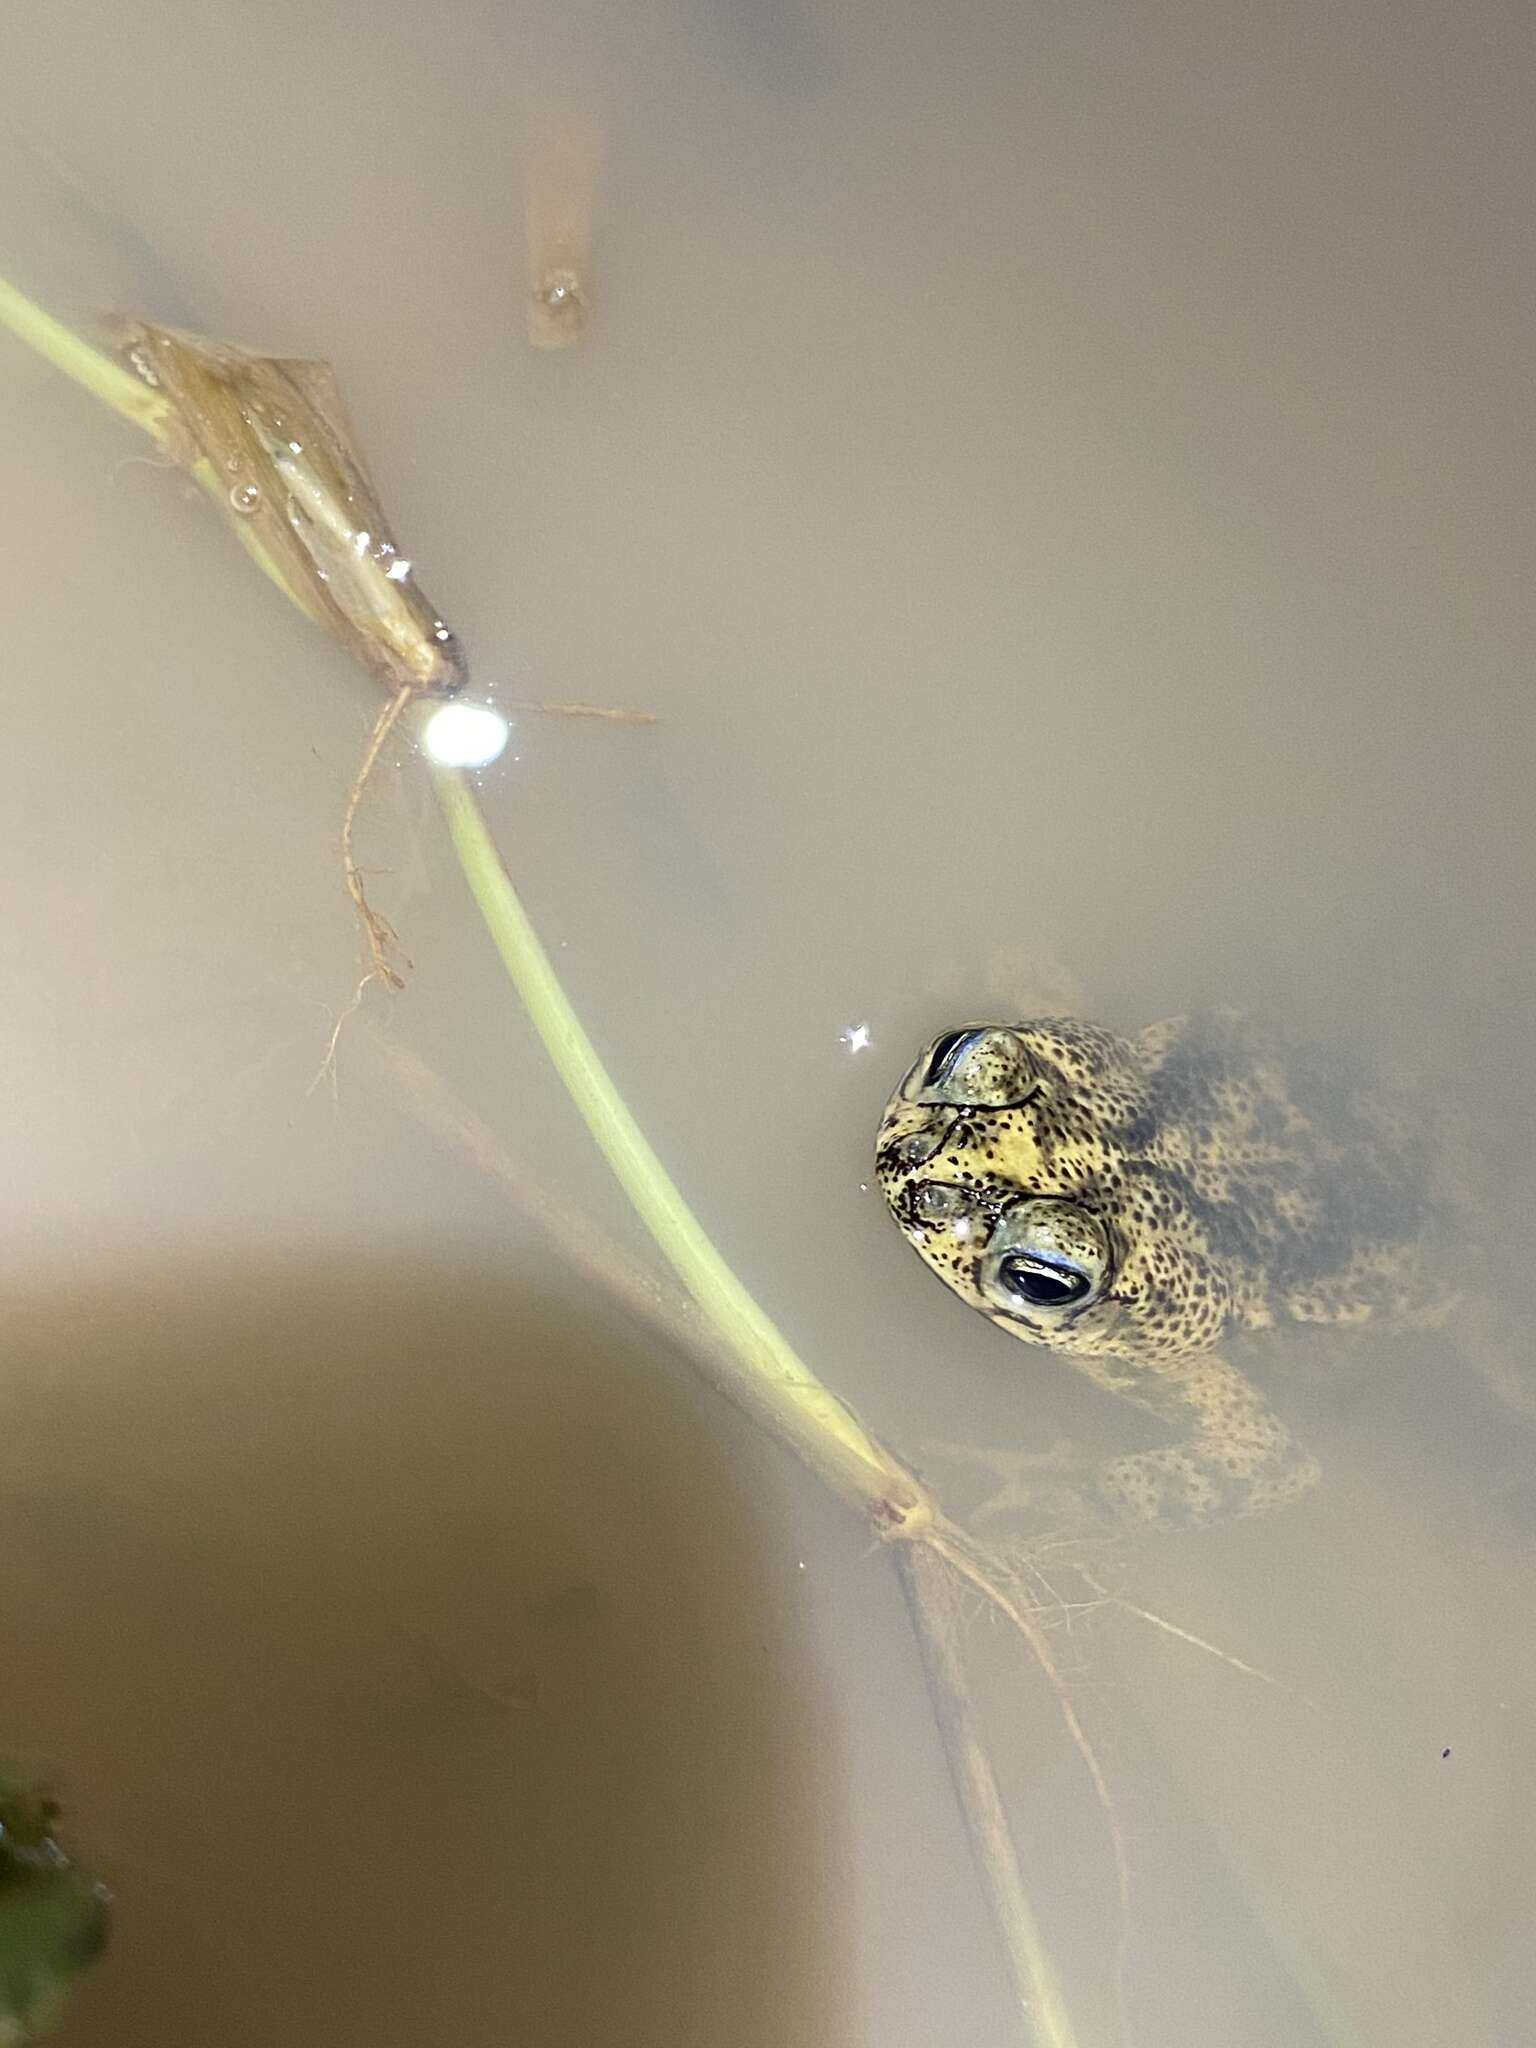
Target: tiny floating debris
562	175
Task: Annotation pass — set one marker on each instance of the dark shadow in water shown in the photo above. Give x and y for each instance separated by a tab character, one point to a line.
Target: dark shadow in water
776	48
420	1661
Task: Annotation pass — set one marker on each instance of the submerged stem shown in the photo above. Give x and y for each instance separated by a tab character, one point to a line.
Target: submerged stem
932	1604
934	1557
773	1380
824	1426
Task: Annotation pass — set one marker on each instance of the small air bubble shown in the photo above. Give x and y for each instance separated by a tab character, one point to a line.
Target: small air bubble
244	499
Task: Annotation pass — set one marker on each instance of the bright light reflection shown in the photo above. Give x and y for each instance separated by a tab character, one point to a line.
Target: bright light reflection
465	735
856	1037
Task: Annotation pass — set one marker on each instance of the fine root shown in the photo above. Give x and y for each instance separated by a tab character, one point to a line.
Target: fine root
619	714
383	940
984	1572
379	932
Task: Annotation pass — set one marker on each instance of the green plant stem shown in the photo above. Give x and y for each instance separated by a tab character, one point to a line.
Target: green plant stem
105	379
825	1432
785	1385
776	1382
819	1421
138	403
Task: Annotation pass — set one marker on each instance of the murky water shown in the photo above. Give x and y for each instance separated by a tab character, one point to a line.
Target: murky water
1061	479
404	1638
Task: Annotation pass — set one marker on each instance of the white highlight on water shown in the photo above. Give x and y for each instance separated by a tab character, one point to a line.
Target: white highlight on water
466	735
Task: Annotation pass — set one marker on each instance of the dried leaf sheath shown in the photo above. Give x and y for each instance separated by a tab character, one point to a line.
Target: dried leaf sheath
276	433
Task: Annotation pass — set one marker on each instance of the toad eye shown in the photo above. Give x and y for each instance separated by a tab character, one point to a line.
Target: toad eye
1042	1284
941	1054
1045	1259
984	1066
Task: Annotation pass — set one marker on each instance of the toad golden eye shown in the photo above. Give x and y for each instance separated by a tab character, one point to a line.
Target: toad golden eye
1044	1259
